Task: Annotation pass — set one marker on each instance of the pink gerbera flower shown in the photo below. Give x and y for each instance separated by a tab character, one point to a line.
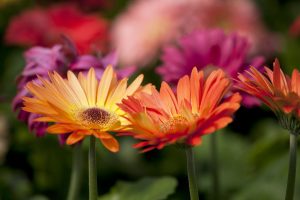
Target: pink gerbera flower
208	49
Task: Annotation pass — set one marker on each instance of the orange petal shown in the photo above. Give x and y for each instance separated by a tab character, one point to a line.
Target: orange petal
183	89
195	86
194	141
280	81
295	84
168	97
74	138
60	128
102	135
111	144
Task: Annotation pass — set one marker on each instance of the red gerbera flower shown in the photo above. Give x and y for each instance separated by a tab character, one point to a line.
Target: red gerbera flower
46	26
161	118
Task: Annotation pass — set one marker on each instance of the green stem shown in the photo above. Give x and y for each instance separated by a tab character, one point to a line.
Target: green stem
289	195
191	174
93	194
76	173
215	167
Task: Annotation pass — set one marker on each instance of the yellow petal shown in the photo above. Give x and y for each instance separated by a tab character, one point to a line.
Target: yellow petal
117	95
134	85
60	128
104	85
92	87
77	88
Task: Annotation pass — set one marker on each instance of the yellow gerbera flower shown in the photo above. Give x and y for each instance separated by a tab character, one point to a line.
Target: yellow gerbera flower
82	106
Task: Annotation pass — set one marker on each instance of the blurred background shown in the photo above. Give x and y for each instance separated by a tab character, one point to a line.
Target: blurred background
139	35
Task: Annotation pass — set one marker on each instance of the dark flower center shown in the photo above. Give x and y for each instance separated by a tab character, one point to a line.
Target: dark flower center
95	116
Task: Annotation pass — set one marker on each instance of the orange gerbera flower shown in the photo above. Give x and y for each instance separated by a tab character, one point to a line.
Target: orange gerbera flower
82	106
277	90
161	118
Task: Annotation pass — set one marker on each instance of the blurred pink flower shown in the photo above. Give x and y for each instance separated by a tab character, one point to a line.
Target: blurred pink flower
138	33
145	26
44	27
208	49
41	60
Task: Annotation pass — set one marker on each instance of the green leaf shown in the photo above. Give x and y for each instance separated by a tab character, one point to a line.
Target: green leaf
144	189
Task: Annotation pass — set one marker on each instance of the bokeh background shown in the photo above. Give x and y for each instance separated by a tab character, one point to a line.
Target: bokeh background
253	150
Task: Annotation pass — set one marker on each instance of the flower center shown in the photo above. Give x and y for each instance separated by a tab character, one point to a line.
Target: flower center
96	118
175	124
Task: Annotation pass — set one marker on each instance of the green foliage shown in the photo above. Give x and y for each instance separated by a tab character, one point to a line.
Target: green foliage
233	163
145	189
15	184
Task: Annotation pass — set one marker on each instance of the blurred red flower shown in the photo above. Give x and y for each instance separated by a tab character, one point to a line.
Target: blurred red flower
93	4
45	27
295	28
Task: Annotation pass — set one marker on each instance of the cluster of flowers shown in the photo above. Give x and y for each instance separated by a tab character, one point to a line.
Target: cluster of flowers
206	49
84	105
68	91
197	109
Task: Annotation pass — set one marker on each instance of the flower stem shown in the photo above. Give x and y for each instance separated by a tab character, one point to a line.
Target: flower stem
289	195
191	174
76	173
215	167
93	194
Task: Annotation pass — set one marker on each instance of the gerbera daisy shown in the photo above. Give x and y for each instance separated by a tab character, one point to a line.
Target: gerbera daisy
40	60
278	91
281	94
207	50
198	108
83	105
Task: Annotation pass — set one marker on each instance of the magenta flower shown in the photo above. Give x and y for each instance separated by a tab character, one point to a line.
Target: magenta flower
85	62
208	49
40	60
